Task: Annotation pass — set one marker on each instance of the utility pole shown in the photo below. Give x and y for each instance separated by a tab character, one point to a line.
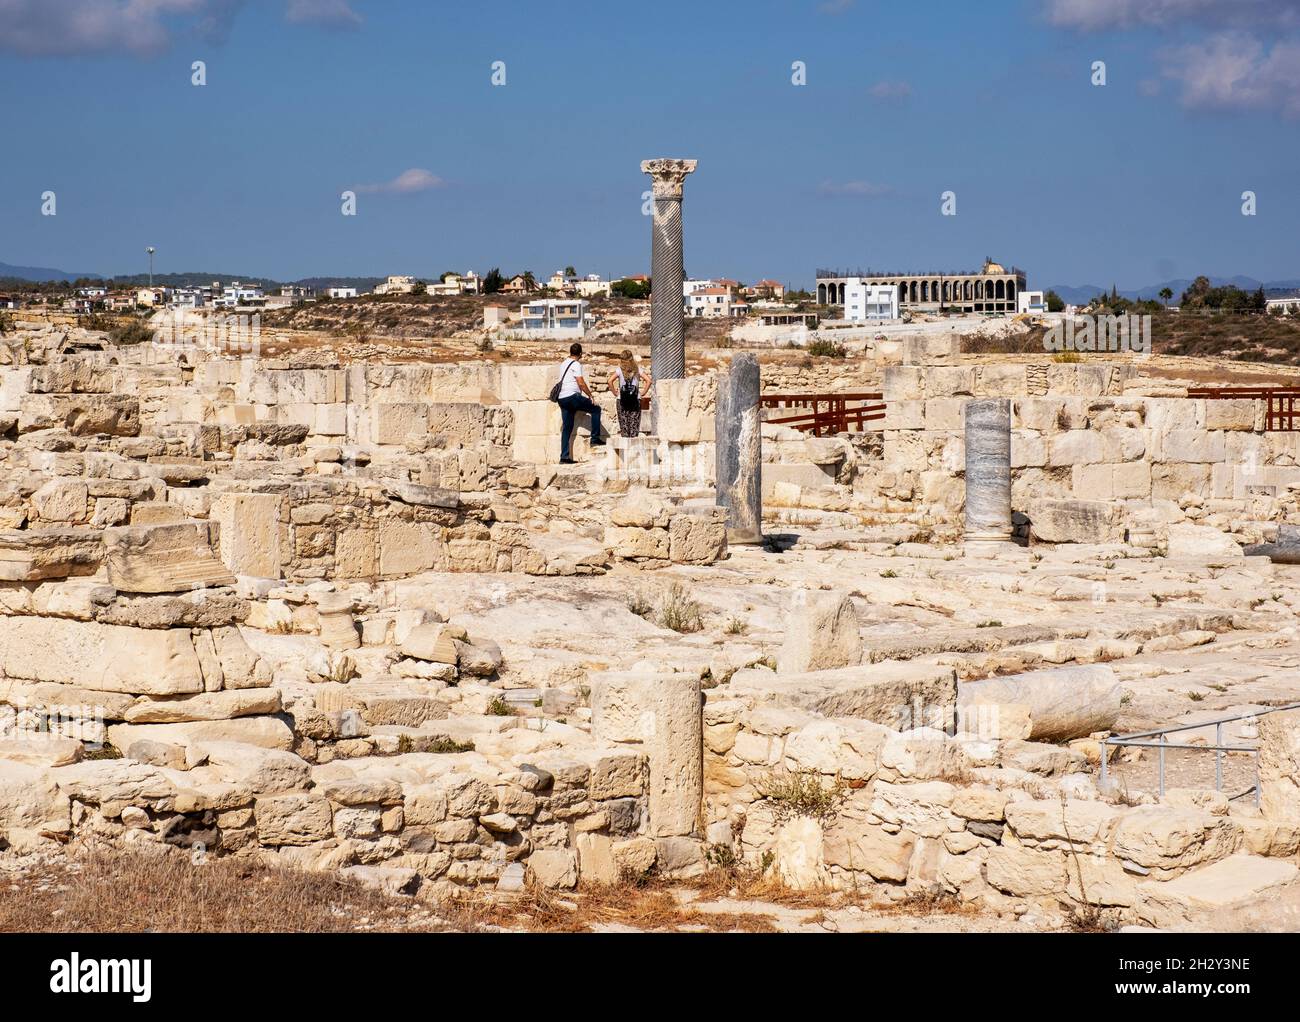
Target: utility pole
150	250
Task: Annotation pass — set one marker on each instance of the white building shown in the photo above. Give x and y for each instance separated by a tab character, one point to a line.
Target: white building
396	284
1031	301
715	301
341	292
556	317
456	284
1287	305
863	301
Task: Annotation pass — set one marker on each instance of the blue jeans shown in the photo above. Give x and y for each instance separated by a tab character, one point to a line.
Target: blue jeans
569	407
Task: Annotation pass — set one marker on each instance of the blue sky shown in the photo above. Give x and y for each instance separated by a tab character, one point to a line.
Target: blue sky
1134	182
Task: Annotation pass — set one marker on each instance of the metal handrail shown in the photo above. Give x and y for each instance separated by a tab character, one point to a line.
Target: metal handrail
1134	740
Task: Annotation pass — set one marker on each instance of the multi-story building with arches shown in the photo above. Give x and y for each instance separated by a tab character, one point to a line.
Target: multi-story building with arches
992	289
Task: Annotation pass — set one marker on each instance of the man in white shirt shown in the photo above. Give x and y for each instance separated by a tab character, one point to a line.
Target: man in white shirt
575	396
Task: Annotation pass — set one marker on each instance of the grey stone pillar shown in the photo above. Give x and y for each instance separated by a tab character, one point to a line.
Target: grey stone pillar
739	461
988	470
667	331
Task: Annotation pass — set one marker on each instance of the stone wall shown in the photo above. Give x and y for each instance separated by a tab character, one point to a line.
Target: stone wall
1088	433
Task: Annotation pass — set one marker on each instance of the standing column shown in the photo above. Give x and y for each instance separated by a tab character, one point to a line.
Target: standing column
988	470
739	436
667	331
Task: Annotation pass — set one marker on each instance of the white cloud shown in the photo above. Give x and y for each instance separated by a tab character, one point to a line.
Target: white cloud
1097	15
331	13
138	28
891	90
1235	71
40	28
861	189
406	183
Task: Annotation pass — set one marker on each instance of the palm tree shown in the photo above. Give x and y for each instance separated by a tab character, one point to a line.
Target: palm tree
1165	295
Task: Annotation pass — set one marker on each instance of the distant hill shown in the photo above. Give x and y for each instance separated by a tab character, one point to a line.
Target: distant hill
1083	294
360	283
36	274
12	276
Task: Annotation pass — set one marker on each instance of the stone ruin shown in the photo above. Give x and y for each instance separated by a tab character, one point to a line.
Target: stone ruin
353	616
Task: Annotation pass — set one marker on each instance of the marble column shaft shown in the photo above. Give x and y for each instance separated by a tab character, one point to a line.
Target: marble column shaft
988	470
739	458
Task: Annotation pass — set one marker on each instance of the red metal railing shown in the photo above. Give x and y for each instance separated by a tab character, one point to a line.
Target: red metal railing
827	414
1280	413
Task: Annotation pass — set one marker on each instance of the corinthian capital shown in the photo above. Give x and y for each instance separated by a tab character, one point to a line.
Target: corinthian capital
667	176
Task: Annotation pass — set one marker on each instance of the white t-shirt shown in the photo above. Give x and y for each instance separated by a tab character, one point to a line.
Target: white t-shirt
569	382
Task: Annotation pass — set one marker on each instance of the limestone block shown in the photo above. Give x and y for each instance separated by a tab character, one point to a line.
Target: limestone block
821	633
684	409
905	414
903	383
1043	414
31	800
29	555
433	642
292	819
114	658
860	846
250	533
630	542
263	732
80	414
662	713
61	500
1075	447
1187	445
1001	380
407	548
1074	521
1097	481
398	422
1200	542
1028	450
356	553
886	693
944	413
1026	872
554	867
1208	895
526	383
1131	481
798	855
1168	839
163	558
205	706
1174	481
1279	766
697	539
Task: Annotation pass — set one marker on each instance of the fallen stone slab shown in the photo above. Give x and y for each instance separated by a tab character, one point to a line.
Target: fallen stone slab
266	732
889	693
1208	893
205	706
1052	705
423	496
954	640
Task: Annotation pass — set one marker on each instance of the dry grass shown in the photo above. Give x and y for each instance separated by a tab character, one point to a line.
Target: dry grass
122	892
652	905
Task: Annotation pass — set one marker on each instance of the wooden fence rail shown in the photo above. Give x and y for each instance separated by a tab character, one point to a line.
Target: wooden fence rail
826	414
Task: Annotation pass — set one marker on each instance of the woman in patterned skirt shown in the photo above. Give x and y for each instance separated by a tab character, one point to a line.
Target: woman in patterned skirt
627	383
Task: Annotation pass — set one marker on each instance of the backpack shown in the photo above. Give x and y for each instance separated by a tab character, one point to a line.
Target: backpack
629	395
555	391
